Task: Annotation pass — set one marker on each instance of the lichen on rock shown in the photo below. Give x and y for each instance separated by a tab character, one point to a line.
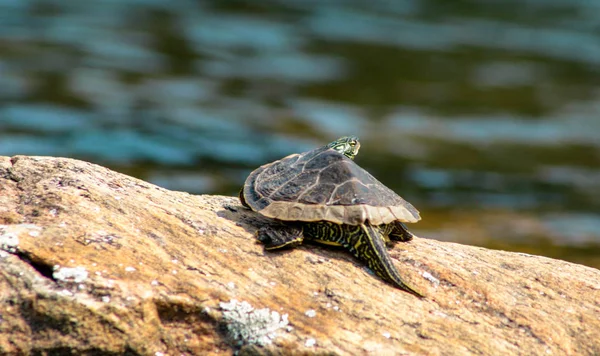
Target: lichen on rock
9	241
247	325
68	274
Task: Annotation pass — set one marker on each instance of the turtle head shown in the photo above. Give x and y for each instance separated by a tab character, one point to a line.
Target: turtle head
347	145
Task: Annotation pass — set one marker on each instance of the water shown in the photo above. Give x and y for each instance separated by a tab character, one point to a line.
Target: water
484	115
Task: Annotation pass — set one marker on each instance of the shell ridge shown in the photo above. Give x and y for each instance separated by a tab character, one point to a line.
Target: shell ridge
275	176
304	164
309	188
322	152
292	178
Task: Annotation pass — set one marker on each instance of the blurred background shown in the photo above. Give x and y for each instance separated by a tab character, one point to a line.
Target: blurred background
483	114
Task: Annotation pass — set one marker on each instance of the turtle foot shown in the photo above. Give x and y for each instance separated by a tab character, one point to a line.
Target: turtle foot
280	237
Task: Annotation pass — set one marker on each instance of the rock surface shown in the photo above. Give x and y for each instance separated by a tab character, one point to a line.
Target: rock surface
96	262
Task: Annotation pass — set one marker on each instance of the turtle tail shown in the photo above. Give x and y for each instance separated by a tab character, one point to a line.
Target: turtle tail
367	244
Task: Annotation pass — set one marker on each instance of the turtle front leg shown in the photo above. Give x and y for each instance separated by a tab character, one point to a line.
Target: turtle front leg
400	232
276	237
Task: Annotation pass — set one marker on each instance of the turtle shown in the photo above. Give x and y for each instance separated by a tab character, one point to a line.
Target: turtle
324	196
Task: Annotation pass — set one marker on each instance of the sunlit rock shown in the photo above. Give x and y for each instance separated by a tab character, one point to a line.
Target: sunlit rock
93	261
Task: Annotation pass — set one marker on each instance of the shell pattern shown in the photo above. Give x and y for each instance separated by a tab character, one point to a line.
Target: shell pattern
323	185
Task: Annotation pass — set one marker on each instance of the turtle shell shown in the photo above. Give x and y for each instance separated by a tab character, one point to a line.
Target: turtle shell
323	184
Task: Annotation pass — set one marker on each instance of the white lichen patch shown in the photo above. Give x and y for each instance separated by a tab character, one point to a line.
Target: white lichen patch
310	342
247	325
311	313
428	276
8	241
525	254
9	235
67	274
65	293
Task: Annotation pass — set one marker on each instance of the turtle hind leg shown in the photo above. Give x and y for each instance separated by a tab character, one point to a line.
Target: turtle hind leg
276	237
400	232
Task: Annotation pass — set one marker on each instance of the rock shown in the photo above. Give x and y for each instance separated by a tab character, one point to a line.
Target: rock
96	262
